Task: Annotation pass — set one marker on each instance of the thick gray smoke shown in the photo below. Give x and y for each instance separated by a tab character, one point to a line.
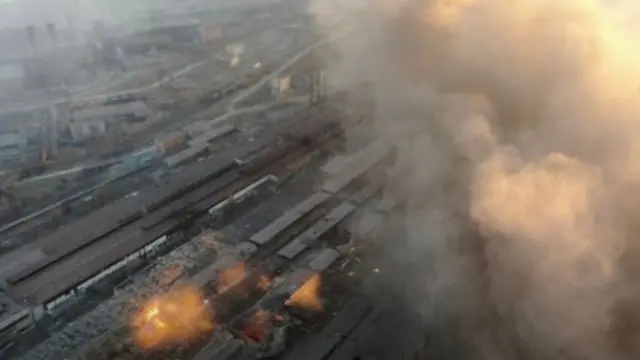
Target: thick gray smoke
518	123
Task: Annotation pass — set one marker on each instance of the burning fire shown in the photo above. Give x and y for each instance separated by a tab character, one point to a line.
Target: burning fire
231	276
308	296
257	326
264	282
175	317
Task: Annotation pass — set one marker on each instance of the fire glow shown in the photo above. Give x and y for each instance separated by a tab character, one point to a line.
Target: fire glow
264	282
231	276
257	326
260	323
175	317
308	296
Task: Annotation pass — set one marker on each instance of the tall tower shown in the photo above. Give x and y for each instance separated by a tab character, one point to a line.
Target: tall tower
32	73
52	31
31	39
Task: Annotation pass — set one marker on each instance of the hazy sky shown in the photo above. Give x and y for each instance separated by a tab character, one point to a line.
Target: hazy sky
80	12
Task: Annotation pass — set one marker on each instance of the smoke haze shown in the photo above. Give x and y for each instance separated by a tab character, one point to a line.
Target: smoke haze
517	123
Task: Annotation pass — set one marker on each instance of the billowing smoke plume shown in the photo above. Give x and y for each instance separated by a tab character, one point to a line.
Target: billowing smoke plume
519	129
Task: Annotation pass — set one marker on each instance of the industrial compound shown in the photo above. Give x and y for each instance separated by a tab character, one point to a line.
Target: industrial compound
225	220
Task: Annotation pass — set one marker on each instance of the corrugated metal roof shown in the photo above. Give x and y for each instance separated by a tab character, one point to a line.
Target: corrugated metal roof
287	219
364	160
212	134
324	259
322	226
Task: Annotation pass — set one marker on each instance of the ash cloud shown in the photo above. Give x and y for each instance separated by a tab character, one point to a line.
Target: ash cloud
518	125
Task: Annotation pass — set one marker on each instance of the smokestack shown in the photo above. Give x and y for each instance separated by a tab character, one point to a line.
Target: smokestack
53	33
31	38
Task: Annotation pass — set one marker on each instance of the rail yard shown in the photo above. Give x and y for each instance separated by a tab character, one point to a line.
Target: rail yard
234	223
265	237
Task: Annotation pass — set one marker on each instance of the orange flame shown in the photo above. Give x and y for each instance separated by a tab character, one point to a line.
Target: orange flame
264	282
172	318
308	296
257	326
231	276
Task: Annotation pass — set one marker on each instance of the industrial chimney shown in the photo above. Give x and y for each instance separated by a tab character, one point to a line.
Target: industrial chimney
53	34
31	38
